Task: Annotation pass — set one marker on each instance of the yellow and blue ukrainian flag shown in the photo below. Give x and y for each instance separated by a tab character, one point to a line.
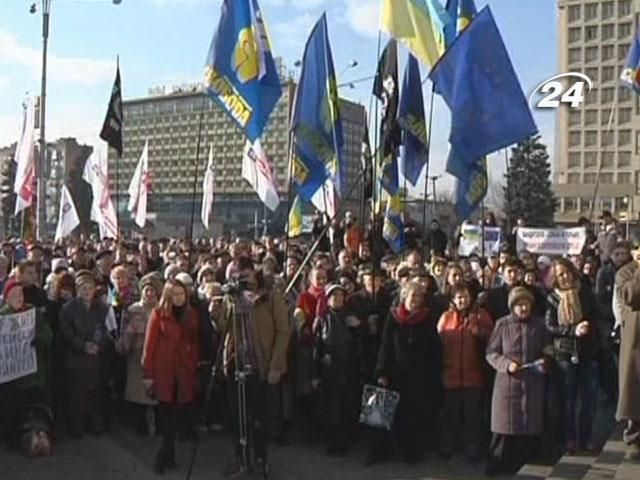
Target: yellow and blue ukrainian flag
393	226
295	218
240	73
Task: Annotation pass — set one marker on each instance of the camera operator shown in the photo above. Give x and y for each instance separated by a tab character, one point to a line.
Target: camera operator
254	353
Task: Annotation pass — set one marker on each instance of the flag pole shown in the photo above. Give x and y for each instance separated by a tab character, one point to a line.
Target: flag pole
375	194
118	158
290	197
506	164
426	172
195	180
597	185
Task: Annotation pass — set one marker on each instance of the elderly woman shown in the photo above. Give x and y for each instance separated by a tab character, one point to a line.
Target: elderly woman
409	361
86	346
516	350
170	363
130	344
571	321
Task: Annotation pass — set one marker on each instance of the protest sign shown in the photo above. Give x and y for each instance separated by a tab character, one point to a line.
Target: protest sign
551	241
17	355
470	240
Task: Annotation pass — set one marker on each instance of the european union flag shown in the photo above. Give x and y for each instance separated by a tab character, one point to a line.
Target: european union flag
477	81
319	144
393	226
471	189
415	153
630	77
240	74
461	13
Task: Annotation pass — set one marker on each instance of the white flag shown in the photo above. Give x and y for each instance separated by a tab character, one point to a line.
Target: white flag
139	188
325	199
258	171
207	191
68	218
103	211
24	183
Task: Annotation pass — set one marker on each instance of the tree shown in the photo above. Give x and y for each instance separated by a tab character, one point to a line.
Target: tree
7	197
528	194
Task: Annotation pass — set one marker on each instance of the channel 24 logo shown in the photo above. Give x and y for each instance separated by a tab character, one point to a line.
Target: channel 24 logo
555	92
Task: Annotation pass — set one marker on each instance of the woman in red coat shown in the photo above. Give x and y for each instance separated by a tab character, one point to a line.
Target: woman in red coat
170	362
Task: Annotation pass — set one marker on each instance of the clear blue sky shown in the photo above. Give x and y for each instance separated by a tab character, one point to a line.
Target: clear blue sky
166	41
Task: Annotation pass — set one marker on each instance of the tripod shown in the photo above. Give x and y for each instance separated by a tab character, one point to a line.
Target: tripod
242	375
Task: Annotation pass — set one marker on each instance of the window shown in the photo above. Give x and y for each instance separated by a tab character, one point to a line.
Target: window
606	178
624	31
575	12
590	159
624	177
573	178
591	11
607	95
608	52
607	74
624	159
570	204
589	178
590	117
591	33
624	115
608	10
607	159
591	139
624	94
608	32
591	54
607	139
574	160
622	52
575	55
605	116
624	137
591	97
574	117
592	73
624	8
575	34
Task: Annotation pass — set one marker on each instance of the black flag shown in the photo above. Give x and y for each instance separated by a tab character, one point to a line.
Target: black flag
367	165
112	128
386	88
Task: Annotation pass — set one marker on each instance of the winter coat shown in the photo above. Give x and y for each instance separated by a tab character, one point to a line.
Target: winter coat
170	355
463	351
79	325
605	283
131	344
565	342
517	406
628	291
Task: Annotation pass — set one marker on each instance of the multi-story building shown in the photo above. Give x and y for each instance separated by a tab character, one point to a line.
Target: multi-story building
601	138
181	128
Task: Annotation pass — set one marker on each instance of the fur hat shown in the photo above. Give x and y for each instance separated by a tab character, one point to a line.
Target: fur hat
518	294
185	279
334	288
152	279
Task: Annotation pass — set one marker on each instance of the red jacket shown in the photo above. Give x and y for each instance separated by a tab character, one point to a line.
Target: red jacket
464	350
170	356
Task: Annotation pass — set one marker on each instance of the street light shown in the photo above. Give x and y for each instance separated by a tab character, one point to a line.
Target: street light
352	64
41	207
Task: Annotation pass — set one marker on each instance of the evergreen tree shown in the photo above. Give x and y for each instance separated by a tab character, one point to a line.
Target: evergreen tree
528	192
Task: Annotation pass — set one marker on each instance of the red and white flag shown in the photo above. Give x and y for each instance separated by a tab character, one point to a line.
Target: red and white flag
68	218
103	211
139	189
207	191
257	169
25	181
325	199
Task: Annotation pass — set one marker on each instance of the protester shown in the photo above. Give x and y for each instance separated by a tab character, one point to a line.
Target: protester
516	350
170	363
571	321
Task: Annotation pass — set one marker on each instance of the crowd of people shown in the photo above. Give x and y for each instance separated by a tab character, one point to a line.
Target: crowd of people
496	359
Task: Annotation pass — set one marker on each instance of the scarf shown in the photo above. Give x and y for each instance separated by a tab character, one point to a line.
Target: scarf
569	307
318	293
405	317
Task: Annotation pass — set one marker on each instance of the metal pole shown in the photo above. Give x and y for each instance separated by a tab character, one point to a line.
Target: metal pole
195	181
508	205
426	172
42	204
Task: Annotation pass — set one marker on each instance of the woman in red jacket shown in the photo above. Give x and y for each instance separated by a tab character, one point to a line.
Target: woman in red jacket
170	362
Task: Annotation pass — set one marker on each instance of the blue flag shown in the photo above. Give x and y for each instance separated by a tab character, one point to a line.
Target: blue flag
630	77
461	13
477	81
471	189
240	74
393	226
316	123
415	153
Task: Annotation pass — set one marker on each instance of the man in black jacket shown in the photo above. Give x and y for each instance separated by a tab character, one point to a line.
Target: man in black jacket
436	240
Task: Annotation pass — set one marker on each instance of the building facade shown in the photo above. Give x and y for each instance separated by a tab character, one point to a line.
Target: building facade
182	127
598	142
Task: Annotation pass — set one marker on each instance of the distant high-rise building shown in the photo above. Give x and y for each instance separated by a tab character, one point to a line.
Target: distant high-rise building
603	134
171	121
